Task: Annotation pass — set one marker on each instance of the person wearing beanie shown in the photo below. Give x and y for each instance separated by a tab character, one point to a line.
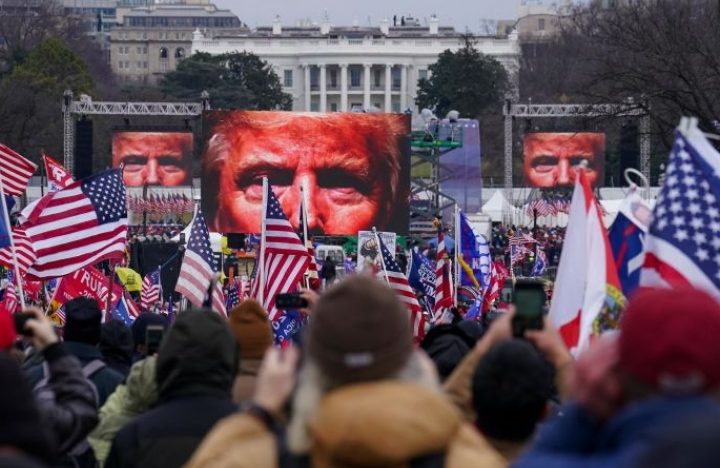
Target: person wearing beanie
194	371
629	389
364	396
81	335
253	332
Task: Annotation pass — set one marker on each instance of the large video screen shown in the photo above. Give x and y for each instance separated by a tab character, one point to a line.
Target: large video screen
354	168
154	158
551	159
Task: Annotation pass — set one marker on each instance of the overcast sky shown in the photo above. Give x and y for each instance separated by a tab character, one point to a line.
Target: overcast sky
458	13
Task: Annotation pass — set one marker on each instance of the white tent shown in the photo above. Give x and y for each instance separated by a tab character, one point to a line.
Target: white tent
498	208
215	238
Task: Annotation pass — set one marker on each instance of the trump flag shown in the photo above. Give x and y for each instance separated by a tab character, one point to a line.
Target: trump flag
627	240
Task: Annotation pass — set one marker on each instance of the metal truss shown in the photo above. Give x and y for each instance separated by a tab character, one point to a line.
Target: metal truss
86	106
512	110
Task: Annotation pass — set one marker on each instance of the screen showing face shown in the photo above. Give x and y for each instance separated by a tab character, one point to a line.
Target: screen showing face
154	158
353	167
551	159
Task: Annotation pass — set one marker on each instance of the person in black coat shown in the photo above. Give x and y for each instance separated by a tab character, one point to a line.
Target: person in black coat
196	367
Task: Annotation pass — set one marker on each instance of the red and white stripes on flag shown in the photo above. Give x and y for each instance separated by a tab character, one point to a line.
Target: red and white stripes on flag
198	271
150	290
284	258
15	171
23	248
398	282
78	226
443	282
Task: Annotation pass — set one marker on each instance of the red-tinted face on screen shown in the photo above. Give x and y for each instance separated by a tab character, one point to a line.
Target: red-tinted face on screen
346	165
551	159
154	158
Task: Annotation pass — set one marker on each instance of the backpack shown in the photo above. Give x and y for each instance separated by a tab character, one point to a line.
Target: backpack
81	454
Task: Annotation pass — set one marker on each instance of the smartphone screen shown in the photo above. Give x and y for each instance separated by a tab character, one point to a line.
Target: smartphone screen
529	299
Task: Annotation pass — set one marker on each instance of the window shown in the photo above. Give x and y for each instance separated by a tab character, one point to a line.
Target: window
163	53
288	78
145	64
179	53
314	107
333	107
355	77
378	76
422	74
541	24
395	74
120	65
314	77
139	64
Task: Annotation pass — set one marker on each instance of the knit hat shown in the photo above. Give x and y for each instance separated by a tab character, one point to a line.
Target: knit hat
141	323
7	330
82	321
669	340
251	327
359	331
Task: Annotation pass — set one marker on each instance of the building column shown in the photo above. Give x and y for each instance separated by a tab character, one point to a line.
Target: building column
307	87
403	87
388	88
323	88
366	87
343	87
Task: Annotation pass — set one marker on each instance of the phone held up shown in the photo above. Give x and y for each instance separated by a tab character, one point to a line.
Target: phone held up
153	338
529	299
20	319
290	301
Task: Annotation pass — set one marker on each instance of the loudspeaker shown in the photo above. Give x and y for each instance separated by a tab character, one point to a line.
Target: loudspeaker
83	148
235	241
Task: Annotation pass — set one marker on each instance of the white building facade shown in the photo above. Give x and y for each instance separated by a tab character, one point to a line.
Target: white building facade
340	69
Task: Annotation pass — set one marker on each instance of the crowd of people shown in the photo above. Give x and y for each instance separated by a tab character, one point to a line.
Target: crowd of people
355	391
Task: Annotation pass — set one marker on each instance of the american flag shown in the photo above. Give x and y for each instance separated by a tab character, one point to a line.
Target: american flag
78	226
285	257
493	290
443	282
518	252
151	290
233	296
15	171
10	300
397	281
198	268
683	243
23	249
520	238
312	271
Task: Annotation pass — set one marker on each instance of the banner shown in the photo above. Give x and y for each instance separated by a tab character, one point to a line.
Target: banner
87	282
422	276
475	253
368	253
551	159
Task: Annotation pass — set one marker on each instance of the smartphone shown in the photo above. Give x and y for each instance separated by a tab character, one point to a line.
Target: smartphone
20	320
529	300
153	338
290	301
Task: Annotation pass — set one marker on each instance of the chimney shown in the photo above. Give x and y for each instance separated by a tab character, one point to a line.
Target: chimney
277	26
434	25
385	26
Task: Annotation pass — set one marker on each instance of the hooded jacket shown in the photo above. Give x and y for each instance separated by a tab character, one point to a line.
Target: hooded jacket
195	369
388	424
130	399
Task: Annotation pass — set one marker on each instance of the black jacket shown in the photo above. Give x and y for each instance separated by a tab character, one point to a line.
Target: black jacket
196	367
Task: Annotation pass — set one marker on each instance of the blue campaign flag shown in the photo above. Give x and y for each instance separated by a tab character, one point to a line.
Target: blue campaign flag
286	326
476	253
122	313
422	276
540	263
627	241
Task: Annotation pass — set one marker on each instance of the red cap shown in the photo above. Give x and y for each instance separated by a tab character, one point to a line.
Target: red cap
670	339
7	329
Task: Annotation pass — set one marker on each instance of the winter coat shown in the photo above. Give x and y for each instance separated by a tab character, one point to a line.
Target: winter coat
388	424
195	369
134	397
105	380
576	439
244	385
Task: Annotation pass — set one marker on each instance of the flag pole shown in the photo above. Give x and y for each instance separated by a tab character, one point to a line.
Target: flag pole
382	260
111	285
43	175
261	268
6	217
303	213
458	245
